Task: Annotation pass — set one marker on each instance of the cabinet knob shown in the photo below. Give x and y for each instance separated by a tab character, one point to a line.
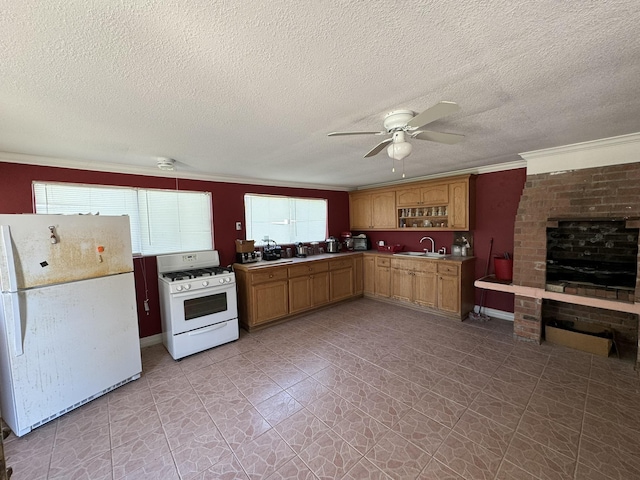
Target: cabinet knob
271	275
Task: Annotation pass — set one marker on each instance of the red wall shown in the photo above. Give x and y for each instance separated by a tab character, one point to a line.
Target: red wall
497	198
228	208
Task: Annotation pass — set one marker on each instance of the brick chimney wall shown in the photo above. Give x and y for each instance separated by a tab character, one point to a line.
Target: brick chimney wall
603	192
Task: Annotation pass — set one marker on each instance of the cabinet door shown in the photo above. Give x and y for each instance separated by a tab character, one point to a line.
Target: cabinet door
402	284
360	212
435	195
425	289
369	274
320	288
358	272
271	301
449	293
341	283
408	197
383	210
383	281
300	294
459	206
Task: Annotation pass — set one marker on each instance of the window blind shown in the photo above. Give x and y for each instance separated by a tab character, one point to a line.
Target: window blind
162	221
285	219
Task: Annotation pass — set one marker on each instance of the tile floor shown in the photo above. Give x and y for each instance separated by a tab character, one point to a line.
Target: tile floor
362	390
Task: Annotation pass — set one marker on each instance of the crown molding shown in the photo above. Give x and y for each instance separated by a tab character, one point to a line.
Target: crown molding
596	153
498	167
152	171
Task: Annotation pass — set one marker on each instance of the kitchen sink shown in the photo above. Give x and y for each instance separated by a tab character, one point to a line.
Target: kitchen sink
422	254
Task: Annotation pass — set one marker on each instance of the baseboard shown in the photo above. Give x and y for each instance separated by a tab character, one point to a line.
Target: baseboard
492	312
151	340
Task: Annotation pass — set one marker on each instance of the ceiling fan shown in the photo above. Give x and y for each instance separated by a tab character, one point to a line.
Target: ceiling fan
402	123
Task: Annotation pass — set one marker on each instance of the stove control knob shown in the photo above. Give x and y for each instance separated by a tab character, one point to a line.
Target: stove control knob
205	283
222	280
228	279
187	286
178	288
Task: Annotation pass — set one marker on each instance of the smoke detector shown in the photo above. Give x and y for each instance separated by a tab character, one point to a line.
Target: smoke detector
166	164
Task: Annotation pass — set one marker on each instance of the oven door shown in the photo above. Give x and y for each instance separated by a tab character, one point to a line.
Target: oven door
201	308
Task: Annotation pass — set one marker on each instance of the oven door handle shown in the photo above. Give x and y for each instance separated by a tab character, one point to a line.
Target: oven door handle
199	293
200	331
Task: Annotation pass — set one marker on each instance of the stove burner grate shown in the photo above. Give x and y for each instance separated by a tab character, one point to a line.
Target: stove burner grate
195	273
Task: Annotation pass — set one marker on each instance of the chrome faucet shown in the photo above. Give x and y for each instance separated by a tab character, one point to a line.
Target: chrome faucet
433	244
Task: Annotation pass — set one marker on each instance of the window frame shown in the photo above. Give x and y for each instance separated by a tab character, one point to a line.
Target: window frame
139	232
249	224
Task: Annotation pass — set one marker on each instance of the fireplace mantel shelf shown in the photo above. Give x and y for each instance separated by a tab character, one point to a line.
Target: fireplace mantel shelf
490	283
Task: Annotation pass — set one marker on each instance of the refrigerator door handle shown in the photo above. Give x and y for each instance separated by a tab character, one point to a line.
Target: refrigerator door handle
17	323
5	231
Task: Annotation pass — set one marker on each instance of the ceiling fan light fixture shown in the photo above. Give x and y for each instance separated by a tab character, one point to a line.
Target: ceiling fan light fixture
399	148
166	164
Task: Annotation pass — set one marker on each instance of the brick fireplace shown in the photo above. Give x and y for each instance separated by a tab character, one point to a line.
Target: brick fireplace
609	192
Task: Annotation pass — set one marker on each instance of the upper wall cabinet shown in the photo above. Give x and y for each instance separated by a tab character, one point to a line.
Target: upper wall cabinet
373	210
445	204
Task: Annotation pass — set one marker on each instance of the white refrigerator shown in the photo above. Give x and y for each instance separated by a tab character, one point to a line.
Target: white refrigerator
68	318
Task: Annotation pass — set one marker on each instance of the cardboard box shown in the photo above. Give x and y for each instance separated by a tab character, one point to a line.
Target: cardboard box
245	246
583	339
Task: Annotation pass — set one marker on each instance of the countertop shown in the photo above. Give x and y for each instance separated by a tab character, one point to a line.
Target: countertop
332	256
294	260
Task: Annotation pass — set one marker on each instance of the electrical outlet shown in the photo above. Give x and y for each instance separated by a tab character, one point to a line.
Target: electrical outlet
238	225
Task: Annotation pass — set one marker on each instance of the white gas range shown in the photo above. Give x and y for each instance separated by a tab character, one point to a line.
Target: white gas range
198	302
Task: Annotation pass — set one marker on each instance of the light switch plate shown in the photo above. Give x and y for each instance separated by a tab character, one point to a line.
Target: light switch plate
238	225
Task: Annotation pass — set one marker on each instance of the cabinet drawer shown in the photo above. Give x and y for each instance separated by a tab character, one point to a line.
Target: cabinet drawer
383	262
342	263
308	269
448	269
425	266
269	275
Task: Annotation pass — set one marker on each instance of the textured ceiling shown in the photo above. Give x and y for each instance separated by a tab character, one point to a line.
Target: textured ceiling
250	90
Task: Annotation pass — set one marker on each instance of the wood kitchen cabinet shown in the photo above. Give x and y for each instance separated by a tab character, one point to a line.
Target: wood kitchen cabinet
414	281
442	205
428	195
382	285
270	293
308	286
358	272
263	296
341	279
459	206
442	286
369	274
375	210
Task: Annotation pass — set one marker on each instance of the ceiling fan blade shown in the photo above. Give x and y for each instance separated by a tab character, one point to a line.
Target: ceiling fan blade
448	138
432	114
335	134
379	147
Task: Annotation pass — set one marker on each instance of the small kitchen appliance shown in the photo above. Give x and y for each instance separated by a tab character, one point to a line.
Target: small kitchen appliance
347	240
301	251
248	257
333	245
361	242
198	302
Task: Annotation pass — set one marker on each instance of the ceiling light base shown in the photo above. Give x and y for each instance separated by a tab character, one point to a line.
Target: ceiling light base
167	164
397	119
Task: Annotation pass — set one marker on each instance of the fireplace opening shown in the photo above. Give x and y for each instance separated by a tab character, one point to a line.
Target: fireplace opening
597	255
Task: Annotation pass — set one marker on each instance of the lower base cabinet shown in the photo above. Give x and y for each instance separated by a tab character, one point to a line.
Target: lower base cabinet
271	294
442	286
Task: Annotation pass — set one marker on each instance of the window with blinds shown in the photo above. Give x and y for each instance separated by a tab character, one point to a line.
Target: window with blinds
162	221
285	219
